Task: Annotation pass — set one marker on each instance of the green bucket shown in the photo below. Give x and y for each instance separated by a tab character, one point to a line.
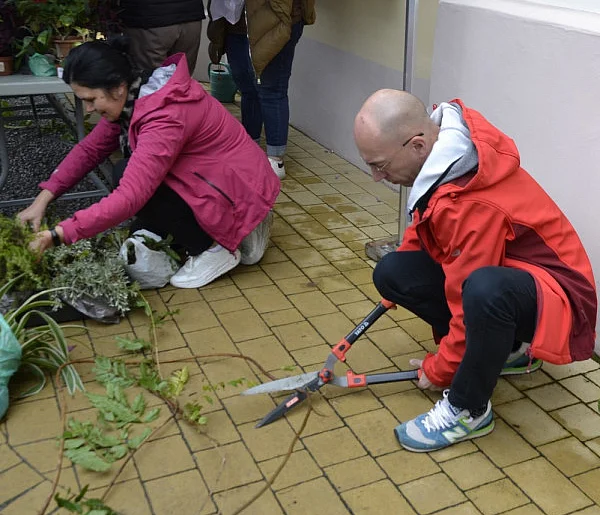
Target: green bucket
222	86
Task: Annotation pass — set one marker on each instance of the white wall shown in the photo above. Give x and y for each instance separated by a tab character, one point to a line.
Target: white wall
532	67
354	49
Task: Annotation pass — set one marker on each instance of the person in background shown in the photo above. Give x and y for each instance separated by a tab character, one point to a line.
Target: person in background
161	28
489	261
260	39
190	170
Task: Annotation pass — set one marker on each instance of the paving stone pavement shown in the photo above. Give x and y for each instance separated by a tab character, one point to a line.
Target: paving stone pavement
312	286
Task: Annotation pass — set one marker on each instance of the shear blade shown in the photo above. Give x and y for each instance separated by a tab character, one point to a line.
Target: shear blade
283	385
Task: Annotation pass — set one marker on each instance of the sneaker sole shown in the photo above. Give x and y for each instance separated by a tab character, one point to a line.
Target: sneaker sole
475	434
536	364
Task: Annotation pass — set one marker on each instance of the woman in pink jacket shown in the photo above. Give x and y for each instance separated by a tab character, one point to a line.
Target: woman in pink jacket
190	169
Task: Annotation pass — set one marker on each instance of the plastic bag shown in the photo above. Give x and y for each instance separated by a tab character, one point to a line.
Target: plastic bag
150	268
10	360
41	66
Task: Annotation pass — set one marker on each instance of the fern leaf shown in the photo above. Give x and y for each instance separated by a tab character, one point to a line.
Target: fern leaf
88	459
139	404
136	441
151	415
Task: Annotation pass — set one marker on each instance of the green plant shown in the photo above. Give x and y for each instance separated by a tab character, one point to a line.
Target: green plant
44	347
92	269
76	503
63	18
16	260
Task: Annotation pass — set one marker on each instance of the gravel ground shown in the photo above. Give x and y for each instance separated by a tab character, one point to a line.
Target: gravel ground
34	152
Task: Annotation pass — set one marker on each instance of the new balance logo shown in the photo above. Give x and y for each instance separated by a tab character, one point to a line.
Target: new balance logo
455	434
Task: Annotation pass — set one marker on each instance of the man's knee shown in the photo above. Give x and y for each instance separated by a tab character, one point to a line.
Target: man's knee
394	270
483	289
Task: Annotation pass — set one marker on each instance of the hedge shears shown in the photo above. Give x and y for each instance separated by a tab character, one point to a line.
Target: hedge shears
303	384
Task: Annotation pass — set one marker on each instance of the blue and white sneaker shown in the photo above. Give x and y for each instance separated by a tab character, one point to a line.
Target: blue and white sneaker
443	426
519	362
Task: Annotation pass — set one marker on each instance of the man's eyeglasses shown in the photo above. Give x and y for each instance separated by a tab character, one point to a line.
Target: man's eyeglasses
381	168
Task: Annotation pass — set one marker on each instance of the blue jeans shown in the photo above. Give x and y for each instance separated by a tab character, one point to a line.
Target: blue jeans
499	305
265	102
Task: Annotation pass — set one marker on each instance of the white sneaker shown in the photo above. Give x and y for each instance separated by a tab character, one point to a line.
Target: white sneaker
206	267
254	245
278	167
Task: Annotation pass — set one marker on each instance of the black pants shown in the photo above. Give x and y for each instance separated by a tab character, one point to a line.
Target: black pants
500	308
167	213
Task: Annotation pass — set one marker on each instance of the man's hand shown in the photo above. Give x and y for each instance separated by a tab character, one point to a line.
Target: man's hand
424	382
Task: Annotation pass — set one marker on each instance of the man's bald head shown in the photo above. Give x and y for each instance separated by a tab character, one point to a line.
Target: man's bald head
389	114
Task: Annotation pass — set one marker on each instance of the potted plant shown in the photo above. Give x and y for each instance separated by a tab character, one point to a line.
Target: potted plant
42	348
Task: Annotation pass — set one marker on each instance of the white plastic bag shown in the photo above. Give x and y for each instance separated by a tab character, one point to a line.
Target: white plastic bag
150	268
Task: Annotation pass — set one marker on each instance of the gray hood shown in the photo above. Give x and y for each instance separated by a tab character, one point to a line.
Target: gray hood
453	151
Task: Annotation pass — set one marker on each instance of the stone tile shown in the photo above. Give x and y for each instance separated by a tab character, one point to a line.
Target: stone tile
354	473
531	422
570	456
333	220
550	397
580	420
588	482
196	316
288	208
302	499
127	496
227	466
394	341
244	325
404	466
417	328
319	208
361	218
312	230
592	510
183	492
419	493
327	244
528	509
285	317
366	357
547	487
9	458
252	280
299	468
333	327
268	352
99	330
340	254
559	372
334	446
151	463
267	298
360	277
283	270
210	341
466	508
346	296
273	255
312	303
407	405
180	296
349	264
35	496
269	441
355	402
225	292
220	373
497	497
17	480
377	498
347	234
375	430
504	446
219	429
471	471
298	336
42	456
311	355
251	408
454	451
526	381
232	500
228	305
321	419
582	387
23	421
307	257
504	392
305	198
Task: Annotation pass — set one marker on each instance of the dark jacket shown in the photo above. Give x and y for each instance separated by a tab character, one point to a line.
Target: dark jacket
148	14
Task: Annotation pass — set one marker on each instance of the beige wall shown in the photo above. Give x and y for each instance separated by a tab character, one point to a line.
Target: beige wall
355	48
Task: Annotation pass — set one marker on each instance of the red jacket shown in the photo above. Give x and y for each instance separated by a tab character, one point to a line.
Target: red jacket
185	138
500	216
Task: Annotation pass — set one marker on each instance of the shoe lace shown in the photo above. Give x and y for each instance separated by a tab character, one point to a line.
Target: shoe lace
440	416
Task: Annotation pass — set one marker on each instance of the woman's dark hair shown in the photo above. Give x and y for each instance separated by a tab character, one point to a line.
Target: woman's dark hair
99	64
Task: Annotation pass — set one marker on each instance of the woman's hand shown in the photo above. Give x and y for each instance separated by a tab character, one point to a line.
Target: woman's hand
34	214
43	240
424	382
